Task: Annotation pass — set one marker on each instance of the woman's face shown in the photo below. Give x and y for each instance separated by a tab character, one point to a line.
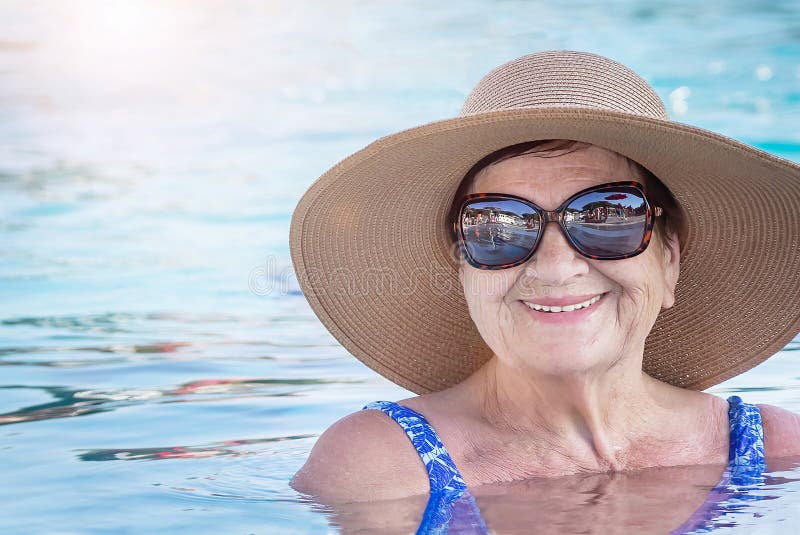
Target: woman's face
631	291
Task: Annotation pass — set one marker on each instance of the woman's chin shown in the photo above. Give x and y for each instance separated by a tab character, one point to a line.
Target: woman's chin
567	356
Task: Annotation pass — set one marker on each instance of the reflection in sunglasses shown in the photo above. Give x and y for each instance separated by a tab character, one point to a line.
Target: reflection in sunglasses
609	221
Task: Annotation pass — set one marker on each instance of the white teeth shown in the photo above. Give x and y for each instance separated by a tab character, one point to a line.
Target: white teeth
565	308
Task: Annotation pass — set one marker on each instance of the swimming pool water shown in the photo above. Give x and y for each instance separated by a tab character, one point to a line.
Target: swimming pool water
161	371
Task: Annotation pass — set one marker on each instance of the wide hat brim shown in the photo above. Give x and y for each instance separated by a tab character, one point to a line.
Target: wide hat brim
372	252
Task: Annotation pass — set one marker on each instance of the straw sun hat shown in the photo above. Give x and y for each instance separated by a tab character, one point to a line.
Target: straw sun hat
373	254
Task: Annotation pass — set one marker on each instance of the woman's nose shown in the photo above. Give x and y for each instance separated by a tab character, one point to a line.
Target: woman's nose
555	261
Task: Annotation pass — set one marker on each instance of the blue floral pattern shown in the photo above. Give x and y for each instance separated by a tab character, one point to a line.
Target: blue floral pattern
442	471
451	499
746	454
746	466
449	493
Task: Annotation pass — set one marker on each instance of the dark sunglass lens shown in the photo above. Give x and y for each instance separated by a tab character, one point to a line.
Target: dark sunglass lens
499	232
608	223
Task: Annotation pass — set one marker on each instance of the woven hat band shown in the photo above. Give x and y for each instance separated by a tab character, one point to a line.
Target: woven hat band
564	79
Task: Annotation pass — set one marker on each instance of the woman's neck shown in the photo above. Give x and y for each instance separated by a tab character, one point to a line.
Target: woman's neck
607	420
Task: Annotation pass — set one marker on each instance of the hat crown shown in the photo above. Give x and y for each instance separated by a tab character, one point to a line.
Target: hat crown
564	78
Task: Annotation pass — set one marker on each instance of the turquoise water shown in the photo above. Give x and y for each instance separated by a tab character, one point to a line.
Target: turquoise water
161	371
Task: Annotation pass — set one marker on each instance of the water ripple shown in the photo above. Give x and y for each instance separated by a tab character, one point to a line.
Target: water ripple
69	403
112	321
228	448
244	477
165	351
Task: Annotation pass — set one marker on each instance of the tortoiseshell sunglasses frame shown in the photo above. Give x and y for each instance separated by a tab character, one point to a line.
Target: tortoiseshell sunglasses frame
557	216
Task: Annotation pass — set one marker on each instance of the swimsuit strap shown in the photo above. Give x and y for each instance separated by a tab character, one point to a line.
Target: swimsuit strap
449	499
746	453
442	471
745	470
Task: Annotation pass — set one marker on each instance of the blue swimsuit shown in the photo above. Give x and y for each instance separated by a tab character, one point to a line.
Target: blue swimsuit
452	508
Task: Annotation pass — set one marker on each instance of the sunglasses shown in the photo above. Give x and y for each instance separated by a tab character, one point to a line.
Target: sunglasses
605	222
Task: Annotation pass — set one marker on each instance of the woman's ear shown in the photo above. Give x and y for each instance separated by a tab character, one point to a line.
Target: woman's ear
671	253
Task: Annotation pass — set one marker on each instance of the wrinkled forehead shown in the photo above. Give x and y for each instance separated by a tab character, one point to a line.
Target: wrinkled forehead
549	179
585	164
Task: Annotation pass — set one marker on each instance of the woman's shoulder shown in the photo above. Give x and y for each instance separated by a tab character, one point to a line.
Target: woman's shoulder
781	431
355	458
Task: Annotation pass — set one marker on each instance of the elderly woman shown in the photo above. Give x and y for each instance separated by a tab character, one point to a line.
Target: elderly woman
558	272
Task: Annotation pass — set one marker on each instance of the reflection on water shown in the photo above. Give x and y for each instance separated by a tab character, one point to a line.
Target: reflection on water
226	447
69	403
656	500
151	154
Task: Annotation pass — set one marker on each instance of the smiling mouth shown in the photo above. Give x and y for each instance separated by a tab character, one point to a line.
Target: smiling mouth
564	308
